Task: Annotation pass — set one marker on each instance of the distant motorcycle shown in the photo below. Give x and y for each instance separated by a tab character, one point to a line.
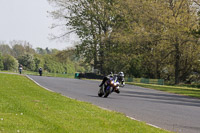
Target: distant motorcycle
111	85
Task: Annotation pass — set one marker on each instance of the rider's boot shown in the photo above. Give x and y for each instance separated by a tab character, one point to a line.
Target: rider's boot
117	91
101	84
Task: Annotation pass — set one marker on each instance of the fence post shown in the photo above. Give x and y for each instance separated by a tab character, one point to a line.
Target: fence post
76	75
143	80
161	81
130	80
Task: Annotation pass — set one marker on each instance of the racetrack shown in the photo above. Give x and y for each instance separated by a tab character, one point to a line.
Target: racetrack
168	111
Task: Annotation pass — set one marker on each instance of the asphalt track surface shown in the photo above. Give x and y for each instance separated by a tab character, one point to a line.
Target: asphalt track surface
168	111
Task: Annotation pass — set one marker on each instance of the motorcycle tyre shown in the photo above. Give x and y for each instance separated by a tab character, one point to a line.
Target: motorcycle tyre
107	93
100	93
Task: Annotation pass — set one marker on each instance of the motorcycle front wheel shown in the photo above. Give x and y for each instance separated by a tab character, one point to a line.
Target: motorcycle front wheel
107	92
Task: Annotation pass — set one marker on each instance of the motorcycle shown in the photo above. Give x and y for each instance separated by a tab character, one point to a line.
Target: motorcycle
111	85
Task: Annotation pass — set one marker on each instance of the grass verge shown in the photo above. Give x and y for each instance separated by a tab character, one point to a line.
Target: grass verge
26	107
45	73
187	91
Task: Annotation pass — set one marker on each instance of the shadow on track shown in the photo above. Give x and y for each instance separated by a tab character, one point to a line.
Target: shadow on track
164	98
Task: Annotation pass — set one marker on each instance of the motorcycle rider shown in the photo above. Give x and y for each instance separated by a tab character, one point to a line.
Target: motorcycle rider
119	76
106	78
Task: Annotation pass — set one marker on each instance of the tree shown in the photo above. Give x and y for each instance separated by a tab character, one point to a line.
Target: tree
27	61
153	37
161	39
47	50
68	56
28	49
65	55
39	61
182	22
5	49
18	50
91	21
54	51
1	62
41	51
10	63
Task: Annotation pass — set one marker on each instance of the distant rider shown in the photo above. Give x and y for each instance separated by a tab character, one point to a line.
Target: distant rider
40	71
20	68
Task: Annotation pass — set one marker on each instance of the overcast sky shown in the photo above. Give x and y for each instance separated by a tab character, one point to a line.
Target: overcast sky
29	21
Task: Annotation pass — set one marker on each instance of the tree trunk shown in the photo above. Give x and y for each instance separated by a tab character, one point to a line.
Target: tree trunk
177	64
95	56
157	70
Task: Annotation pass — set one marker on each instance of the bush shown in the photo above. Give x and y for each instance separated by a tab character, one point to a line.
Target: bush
27	61
10	63
1	62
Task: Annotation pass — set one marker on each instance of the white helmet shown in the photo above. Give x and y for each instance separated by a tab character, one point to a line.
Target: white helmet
121	74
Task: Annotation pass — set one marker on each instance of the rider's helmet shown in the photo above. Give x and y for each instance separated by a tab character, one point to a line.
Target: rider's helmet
121	76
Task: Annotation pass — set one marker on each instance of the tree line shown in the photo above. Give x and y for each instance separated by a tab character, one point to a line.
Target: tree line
51	60
143	38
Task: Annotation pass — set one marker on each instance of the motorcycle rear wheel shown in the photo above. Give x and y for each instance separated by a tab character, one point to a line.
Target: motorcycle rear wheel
100	93
107	93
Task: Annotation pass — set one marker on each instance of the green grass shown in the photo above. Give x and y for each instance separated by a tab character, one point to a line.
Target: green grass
28	108
182	90
45	73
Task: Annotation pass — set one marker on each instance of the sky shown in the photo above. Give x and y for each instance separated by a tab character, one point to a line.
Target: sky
28	20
